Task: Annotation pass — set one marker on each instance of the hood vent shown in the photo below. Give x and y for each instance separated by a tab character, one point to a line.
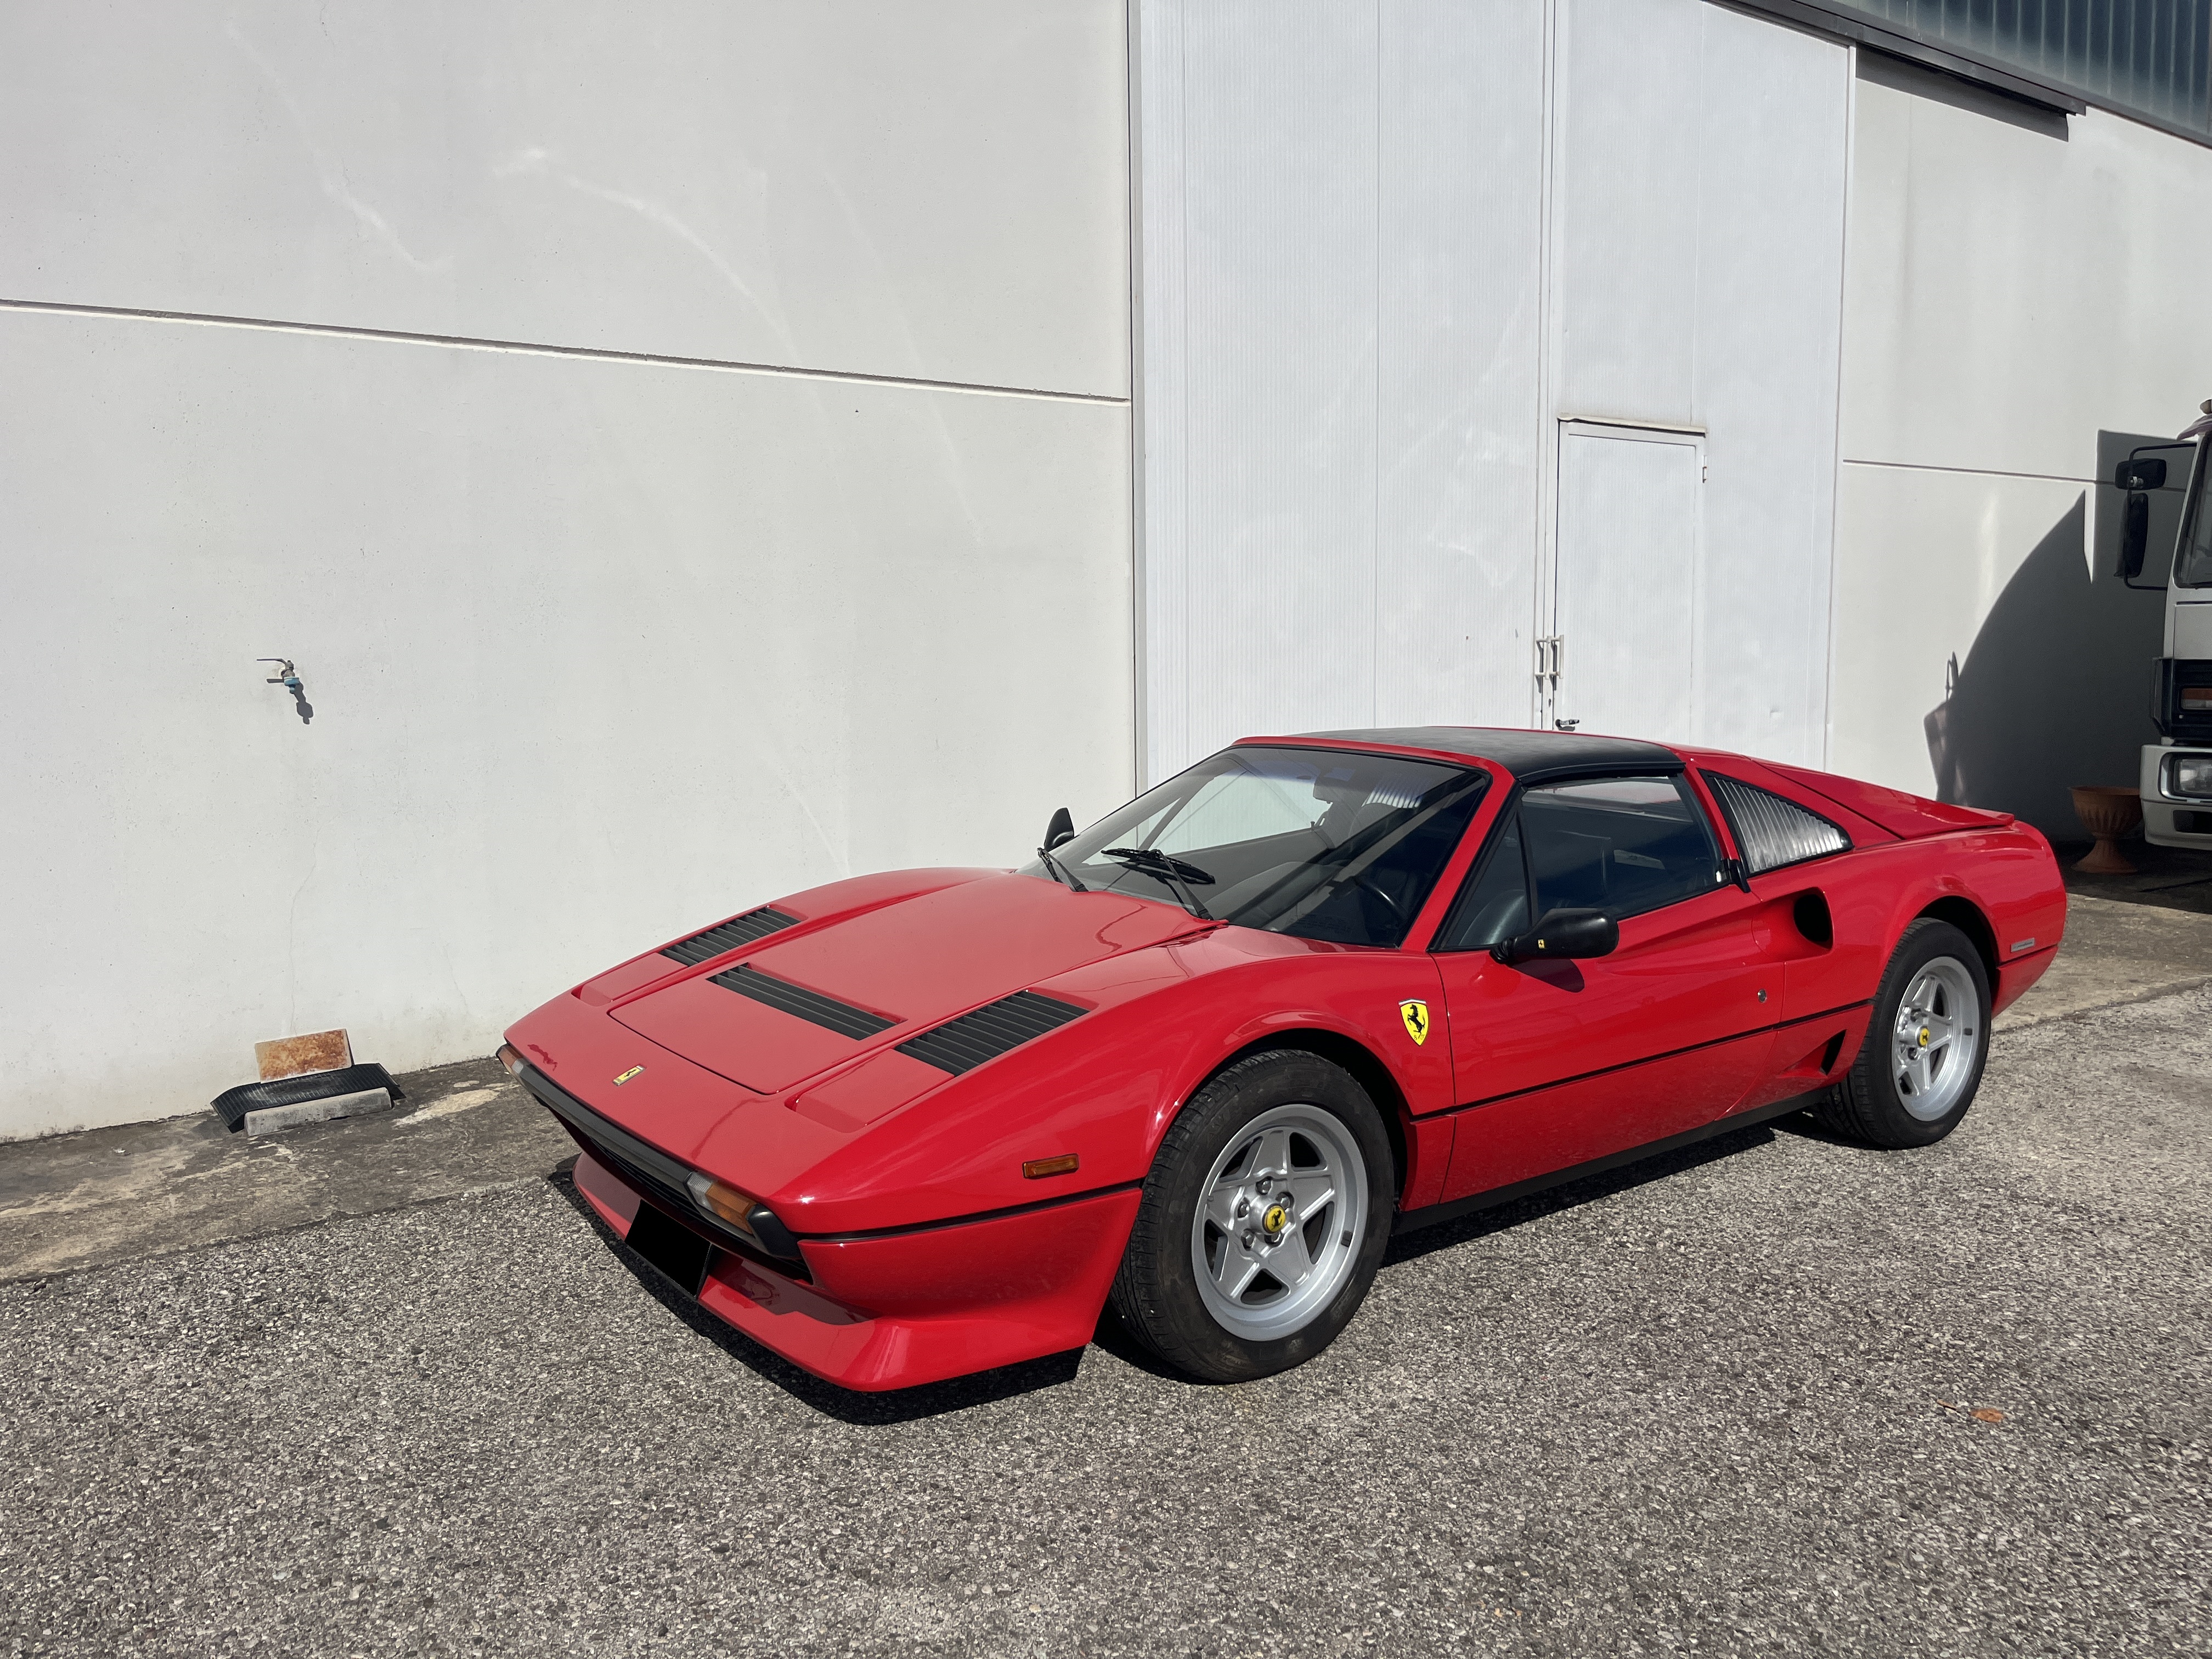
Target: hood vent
961	1045
841	1017
725	937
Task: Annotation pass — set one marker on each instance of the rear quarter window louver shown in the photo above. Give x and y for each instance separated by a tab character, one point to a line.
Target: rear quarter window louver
961	1045
1772	831
733	934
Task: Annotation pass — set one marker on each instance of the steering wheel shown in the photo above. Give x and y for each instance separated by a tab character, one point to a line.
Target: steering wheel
1363	880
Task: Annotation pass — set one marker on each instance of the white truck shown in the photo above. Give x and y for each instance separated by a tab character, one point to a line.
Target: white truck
2176	771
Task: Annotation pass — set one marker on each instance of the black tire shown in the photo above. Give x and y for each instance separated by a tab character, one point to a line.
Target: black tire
1869	1105
1156	1290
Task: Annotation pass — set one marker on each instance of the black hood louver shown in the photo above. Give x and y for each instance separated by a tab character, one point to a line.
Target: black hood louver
827	1011
961	1045
725	937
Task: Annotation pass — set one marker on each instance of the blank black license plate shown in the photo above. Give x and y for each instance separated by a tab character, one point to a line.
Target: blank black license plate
671	1248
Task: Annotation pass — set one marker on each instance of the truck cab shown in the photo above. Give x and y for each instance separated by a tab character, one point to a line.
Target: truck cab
2176	771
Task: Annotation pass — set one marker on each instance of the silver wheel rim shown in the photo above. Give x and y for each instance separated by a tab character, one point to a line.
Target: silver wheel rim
1298	1166
1937	1038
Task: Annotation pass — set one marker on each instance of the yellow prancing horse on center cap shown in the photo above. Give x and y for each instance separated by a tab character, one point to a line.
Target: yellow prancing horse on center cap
1415	1013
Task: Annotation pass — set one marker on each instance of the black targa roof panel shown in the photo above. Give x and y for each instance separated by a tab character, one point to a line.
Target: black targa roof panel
1530	757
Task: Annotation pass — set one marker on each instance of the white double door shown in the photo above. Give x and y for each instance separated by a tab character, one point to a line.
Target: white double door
1624	654
1444	307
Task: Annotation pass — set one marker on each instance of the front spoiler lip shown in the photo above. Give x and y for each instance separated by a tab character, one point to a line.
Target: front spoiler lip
659	1174
835	1328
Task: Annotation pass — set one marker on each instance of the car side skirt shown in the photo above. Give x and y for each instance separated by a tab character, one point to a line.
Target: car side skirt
1431	1215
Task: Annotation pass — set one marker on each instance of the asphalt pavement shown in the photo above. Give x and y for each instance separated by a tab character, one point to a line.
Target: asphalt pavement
1777	1395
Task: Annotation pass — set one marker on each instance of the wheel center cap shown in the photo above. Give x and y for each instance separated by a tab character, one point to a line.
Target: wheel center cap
1924	1036
1277	1217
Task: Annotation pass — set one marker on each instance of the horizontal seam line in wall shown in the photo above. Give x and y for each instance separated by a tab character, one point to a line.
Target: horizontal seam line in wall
531	348
1974	471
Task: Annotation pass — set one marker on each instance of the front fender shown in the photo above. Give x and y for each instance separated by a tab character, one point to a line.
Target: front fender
1105	1087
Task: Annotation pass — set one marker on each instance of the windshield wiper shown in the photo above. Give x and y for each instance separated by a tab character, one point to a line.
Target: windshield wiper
1171	872
1060	871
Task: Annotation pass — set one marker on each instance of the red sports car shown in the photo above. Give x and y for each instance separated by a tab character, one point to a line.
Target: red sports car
1205	1056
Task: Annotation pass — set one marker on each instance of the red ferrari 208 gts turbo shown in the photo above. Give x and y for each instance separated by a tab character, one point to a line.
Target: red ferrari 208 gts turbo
1204	1057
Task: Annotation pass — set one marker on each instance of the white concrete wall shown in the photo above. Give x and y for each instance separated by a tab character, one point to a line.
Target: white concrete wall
2015	290
599	646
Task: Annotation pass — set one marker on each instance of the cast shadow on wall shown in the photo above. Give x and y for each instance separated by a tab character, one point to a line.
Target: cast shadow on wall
2056	689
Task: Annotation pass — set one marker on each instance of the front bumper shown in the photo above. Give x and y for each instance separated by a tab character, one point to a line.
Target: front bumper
893	1310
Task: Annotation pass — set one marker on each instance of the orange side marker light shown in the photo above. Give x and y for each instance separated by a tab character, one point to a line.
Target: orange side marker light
1038	1167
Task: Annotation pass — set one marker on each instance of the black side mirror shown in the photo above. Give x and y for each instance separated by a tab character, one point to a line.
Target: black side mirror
1563	935
2140	472
1062	828
2135	535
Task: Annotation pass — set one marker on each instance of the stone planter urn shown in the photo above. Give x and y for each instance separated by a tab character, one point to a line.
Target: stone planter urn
2110	812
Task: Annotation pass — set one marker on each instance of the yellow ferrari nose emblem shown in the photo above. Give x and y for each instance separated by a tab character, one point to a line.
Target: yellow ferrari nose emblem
628	1075
1276	1218
1415	1013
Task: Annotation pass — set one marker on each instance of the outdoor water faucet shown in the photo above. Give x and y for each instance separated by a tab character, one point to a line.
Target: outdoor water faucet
289	677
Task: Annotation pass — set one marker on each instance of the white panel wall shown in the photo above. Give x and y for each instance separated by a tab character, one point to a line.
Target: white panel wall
1701	207
931	191
2016	289
1994	670
1459	219
1340	241
1363	230
2013	292
1278	207
599	649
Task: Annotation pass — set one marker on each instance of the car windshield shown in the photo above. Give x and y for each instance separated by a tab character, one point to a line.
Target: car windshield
1318	842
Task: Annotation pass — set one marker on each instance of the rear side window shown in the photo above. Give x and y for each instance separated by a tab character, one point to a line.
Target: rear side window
1772	831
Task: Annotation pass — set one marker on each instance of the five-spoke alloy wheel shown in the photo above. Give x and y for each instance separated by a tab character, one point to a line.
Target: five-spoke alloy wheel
1921	1063
1937	1038
1263	1221
1278	1225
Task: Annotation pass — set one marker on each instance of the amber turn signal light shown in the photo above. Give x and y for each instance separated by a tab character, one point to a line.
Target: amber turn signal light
1038	1167
725	1203
509	1059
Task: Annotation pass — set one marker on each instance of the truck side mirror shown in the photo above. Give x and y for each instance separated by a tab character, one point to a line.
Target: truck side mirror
2135	533
2140	472
1563	935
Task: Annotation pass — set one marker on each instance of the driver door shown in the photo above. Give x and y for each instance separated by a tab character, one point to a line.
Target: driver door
1556	1064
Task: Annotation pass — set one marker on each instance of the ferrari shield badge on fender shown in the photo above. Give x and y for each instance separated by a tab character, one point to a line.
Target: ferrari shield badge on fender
1416	1016
628	1075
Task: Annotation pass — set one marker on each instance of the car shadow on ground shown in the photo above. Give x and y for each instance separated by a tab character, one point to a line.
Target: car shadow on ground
1007	1382
846	1405
1427	1240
